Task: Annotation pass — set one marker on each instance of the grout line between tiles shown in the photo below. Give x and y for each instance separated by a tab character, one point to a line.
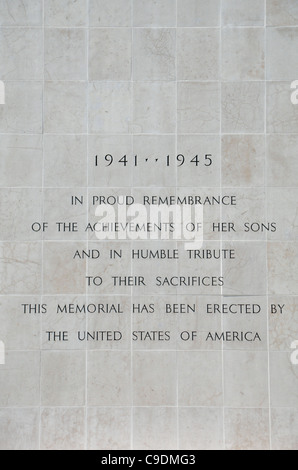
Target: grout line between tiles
176	181
87	217
40	81
132	412
127	188
221	220
267	257
292	134
43	214
147	407
227	27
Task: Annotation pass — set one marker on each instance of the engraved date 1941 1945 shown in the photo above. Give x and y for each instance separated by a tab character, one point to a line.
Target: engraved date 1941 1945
168	160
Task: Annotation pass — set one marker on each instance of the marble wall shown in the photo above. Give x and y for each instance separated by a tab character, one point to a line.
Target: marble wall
152	78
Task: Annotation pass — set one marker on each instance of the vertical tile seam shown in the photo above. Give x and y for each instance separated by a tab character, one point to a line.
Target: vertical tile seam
221	214
176	263
266	213
42	241
132	130
87	218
